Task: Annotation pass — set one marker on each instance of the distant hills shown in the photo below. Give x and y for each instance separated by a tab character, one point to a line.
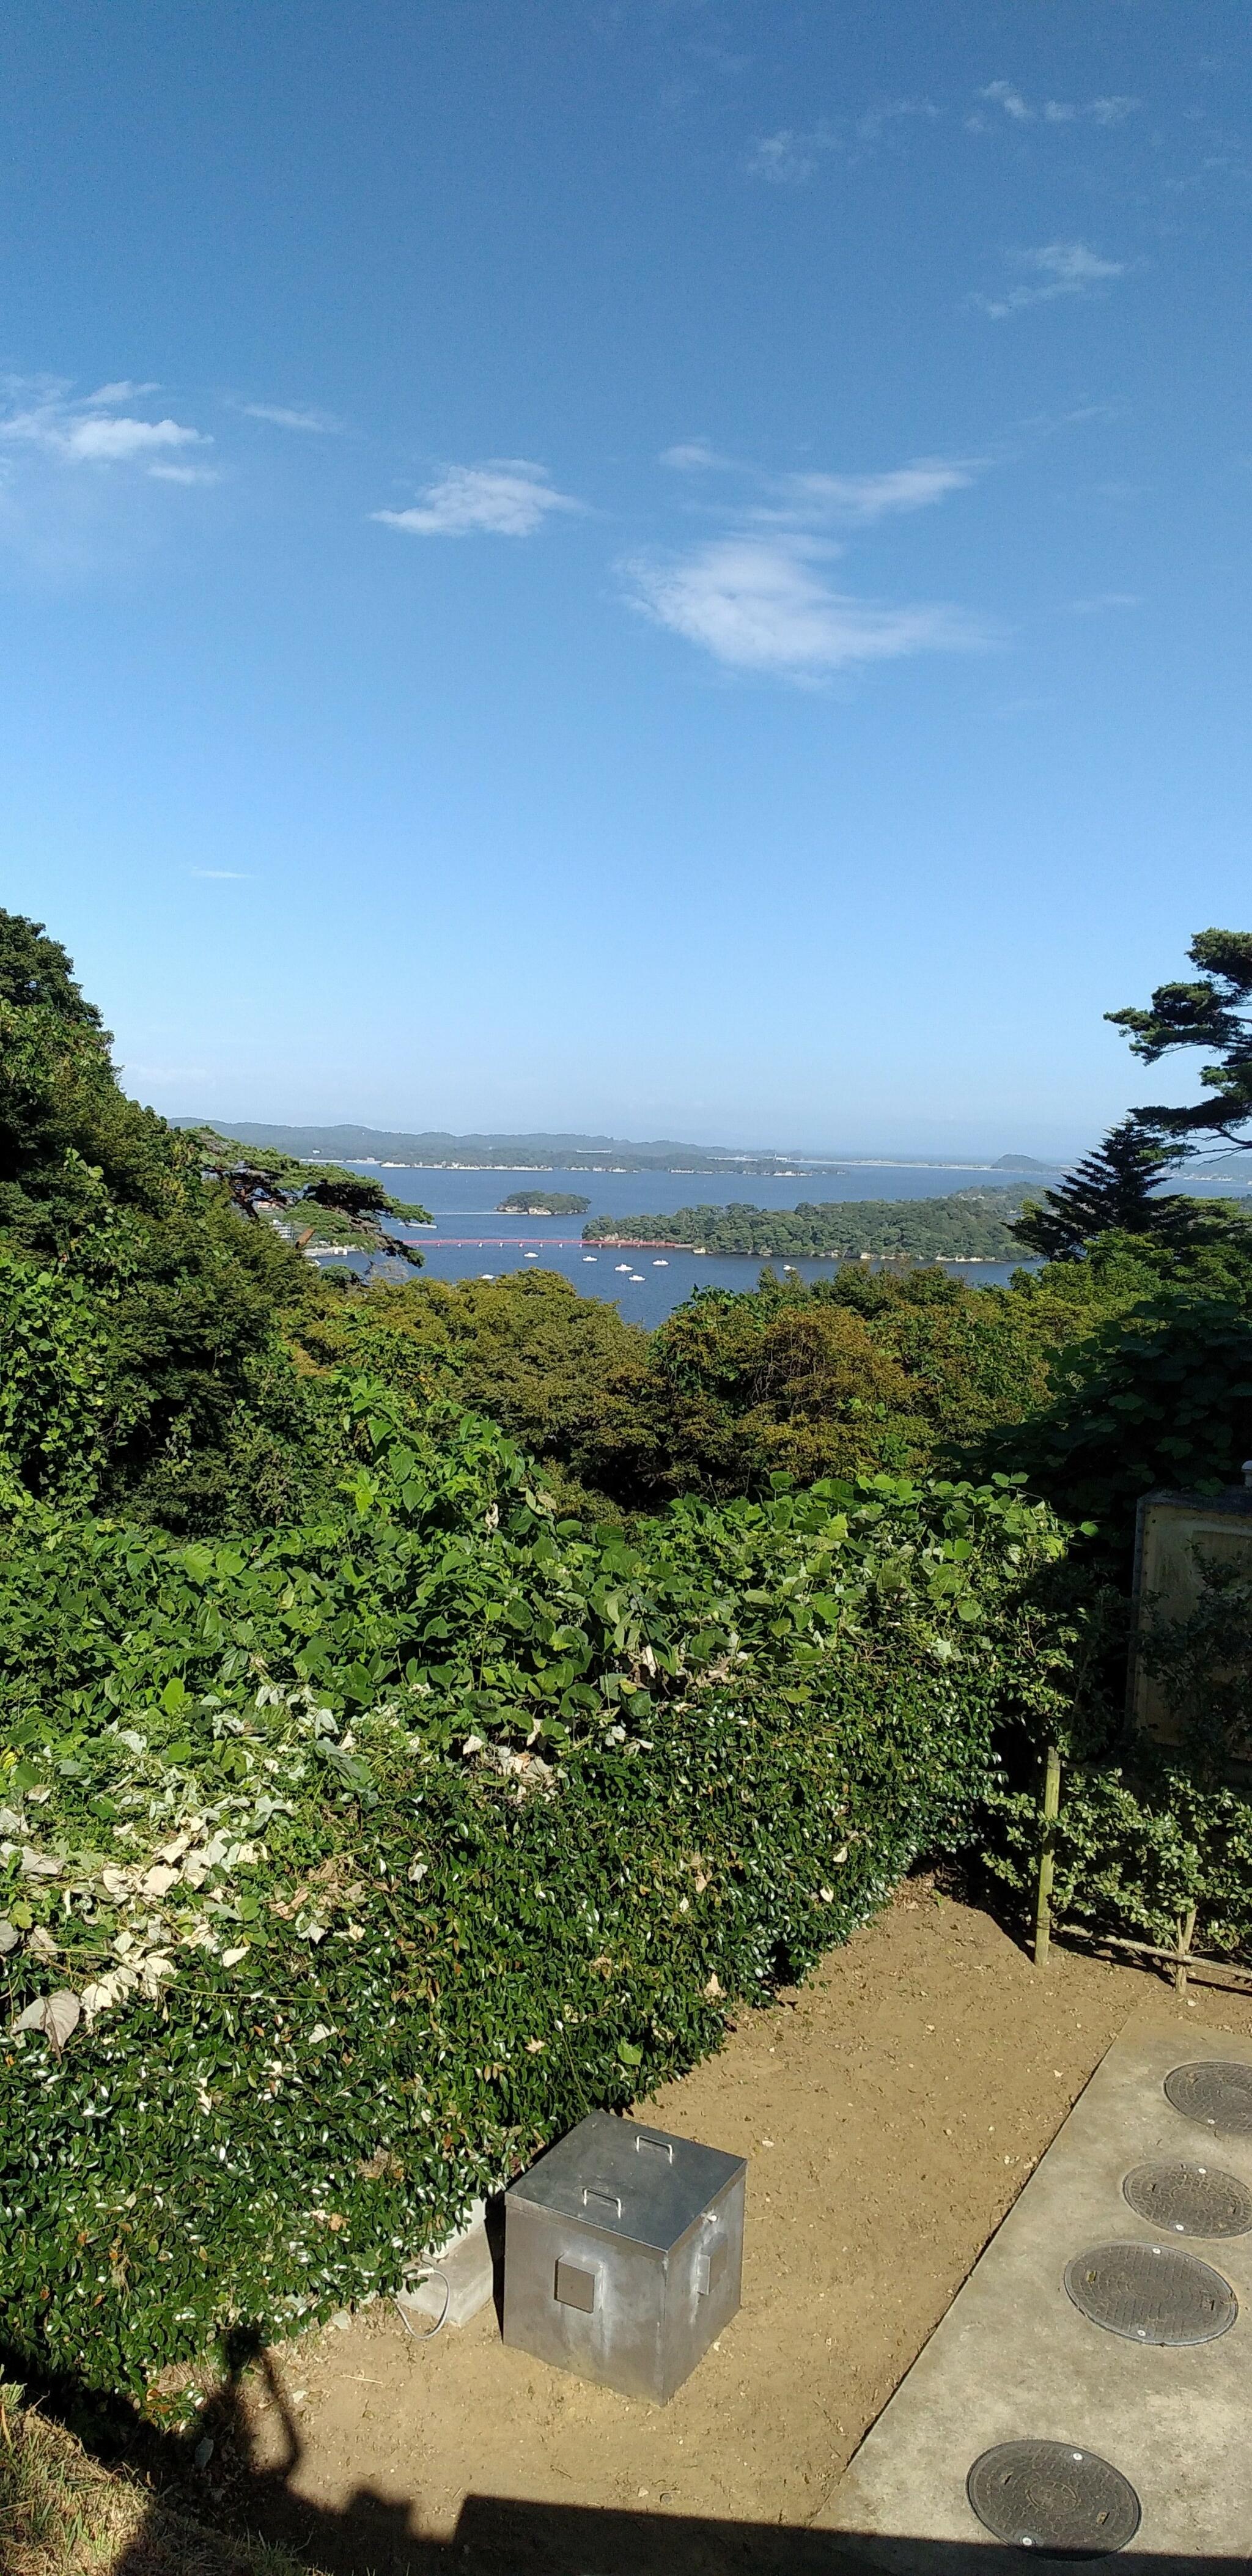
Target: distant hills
438	1149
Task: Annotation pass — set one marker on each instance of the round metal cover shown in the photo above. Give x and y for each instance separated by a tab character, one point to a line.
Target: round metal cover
1044	2496
1151	2293
1216	2092
1189	2200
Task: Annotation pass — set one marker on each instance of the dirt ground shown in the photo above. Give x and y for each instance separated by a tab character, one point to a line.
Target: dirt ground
890	2112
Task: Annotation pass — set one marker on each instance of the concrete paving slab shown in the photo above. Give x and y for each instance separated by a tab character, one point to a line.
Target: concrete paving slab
1014	2359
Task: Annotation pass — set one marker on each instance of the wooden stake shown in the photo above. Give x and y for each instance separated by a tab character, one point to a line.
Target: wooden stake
1047	1855
1186	1935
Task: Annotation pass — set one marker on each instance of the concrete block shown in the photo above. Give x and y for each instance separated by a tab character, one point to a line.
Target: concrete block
459	2277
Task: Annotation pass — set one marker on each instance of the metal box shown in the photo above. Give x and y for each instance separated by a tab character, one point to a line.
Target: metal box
623	2250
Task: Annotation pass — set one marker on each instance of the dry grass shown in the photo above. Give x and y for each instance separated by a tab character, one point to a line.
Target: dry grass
61	2514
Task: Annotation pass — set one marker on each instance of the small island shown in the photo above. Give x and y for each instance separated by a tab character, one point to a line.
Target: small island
969	1225
543	1203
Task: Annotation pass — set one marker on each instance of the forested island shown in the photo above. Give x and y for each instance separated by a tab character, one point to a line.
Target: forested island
970	1225
543	1203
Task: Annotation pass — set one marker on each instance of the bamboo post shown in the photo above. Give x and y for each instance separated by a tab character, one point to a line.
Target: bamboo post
1047	1854
1186	1935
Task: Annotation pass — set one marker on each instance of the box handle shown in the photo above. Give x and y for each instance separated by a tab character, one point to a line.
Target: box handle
609	2198
659	2146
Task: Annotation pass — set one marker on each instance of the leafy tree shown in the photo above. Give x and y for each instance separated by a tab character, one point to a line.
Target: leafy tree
138	1340
36	970
1116	1189
1161	1396
1214	1012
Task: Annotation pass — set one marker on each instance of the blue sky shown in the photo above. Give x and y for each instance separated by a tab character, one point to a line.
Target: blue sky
678	566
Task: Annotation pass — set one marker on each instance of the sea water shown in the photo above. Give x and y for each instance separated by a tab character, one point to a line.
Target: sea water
470	1239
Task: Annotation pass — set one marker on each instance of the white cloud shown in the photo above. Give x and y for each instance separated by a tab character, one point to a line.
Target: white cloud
322	424
1062	268
763	605
91	433
1054	111
866	497
233	876
120	440
507	497
184	474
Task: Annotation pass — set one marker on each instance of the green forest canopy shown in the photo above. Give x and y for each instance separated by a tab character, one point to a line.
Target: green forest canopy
543	1203
968	1225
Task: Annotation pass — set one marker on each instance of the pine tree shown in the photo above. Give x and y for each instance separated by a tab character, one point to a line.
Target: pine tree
1113	1190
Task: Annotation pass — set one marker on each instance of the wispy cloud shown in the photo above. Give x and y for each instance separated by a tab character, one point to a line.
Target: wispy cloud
222	876
93	431
788	158
107	397
1059	268
1102	600
865	497
874	122
1019	110
695	455
761	604
814	500
791	155
299	416
506	497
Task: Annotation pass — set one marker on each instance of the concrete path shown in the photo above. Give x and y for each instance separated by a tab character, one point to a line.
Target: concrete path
1015	2359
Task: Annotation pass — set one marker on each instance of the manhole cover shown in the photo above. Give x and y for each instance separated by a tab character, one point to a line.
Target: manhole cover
1067	2504
1189	2200
1216	2092
1151	2293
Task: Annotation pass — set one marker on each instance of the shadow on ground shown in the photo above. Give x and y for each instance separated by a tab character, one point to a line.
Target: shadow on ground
206	2517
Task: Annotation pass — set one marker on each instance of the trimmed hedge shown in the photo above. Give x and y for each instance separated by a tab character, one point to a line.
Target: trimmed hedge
331	1965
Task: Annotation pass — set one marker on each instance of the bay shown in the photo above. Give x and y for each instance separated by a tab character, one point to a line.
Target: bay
470	1239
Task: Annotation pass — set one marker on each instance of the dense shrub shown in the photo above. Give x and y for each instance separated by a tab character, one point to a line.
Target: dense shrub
1139	1841
338	1964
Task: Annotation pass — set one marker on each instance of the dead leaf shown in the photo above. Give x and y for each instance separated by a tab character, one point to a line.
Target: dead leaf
56	2015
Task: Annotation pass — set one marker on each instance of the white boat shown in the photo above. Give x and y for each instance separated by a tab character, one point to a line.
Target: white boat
590	1256
637	1278
621	1265
660	1265
530	1256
